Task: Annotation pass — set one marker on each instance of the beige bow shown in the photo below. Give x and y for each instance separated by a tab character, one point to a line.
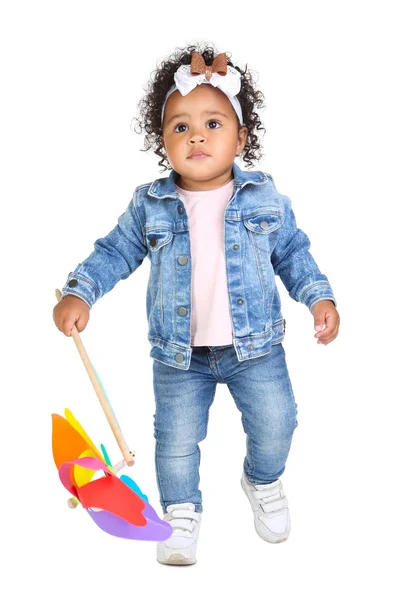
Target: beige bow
198	66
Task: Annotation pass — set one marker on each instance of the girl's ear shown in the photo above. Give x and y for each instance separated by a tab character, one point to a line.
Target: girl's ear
243	132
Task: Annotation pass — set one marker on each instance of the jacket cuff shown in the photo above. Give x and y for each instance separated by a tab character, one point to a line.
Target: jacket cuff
316	292
80	286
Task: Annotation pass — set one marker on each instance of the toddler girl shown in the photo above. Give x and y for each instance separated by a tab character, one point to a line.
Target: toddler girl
216	236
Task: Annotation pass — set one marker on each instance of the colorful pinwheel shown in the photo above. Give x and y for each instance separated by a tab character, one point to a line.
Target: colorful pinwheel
116	504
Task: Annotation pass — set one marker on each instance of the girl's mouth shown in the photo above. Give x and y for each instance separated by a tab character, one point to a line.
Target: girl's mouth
198	155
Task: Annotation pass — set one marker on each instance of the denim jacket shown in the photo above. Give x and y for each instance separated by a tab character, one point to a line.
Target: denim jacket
261	241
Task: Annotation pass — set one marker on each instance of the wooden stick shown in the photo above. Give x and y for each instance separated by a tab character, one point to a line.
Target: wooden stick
128	456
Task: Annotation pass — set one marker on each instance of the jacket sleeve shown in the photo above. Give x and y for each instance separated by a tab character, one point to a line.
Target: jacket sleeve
296	266
115	257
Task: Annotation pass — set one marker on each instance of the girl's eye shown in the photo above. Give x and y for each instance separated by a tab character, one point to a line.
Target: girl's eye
182	125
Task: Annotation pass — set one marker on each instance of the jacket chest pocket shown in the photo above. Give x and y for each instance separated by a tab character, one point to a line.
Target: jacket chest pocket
263	229
157	240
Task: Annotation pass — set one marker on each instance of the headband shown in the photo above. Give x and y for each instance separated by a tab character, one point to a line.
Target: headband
219	74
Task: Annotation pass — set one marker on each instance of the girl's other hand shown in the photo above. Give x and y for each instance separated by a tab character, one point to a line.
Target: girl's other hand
325	314
71	311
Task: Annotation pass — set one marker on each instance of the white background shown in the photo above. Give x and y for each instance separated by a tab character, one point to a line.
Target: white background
71	76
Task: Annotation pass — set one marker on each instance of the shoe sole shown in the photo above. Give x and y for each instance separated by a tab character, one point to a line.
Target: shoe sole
278	541
177	560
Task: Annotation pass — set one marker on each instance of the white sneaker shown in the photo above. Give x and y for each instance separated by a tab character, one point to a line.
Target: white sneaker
270	508
180	548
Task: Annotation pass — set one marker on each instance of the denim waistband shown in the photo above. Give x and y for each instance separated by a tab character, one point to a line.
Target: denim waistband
211	348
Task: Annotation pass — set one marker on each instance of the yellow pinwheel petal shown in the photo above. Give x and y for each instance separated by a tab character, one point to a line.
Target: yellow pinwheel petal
82	475
78	427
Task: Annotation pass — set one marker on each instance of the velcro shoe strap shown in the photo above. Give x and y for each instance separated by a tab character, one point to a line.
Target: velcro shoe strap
184	524
185	514
272	506
184	520
275	491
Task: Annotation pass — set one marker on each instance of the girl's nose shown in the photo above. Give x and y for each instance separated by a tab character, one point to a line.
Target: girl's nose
196	138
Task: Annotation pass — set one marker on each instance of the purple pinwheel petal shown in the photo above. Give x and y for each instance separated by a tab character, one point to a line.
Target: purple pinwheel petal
155	530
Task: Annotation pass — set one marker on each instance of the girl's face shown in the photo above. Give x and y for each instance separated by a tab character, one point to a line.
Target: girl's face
202	121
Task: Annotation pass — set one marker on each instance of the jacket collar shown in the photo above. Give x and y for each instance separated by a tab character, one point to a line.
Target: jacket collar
165	186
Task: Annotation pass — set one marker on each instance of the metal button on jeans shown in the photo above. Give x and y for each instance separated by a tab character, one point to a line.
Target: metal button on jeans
182	311
182	260
240	301
73	283
180	209
153	242
235	246
179	357
264	224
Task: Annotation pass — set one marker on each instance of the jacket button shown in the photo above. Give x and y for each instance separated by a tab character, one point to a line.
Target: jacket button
180	209
250	346
179	357
182	260
73	283
240	301
153	242
264	224
235	246
182	311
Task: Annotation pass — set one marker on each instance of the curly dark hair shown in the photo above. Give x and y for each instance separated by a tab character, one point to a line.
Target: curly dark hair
150	105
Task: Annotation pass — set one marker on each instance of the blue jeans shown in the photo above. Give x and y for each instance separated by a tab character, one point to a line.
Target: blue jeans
262	392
